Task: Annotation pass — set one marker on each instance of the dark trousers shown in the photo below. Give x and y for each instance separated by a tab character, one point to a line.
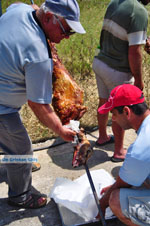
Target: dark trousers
14	142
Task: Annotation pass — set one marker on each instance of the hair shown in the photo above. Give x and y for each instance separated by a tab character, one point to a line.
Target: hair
138	109
45	9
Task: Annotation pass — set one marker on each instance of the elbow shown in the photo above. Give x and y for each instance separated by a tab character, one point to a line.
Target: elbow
30	103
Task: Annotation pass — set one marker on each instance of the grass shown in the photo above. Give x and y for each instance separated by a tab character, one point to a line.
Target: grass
77	55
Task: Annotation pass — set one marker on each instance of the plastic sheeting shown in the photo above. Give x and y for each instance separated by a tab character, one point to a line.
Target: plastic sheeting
77	195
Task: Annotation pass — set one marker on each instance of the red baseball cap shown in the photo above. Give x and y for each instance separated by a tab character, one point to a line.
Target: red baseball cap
122	95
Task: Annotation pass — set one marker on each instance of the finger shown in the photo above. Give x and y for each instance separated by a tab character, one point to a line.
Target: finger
102	191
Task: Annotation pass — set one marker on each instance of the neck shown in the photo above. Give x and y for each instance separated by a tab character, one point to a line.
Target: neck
140	119
38	15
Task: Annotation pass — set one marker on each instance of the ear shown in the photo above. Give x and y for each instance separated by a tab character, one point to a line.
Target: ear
127	111
47	17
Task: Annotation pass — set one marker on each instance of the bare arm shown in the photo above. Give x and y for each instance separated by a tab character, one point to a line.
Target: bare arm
48	117
104	201
135	62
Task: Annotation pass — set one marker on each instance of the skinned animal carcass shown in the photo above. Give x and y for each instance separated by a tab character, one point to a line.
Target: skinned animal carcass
82	151
67	98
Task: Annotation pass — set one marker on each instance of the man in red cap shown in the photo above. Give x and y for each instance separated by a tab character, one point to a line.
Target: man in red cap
129	196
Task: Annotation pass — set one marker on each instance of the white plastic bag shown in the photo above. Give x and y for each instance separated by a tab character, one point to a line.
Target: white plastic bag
74	125
77	195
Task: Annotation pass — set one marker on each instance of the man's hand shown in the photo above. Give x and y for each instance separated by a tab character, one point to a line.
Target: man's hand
48	117
34	6
139	84
68	134
104	201
104	190
147	45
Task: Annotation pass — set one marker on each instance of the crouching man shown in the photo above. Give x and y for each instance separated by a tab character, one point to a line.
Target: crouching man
129	196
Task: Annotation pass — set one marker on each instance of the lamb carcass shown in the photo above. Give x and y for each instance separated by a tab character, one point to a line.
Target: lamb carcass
82	151
67	96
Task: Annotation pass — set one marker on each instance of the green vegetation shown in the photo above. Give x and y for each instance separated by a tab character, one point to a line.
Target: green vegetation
79	50
77	55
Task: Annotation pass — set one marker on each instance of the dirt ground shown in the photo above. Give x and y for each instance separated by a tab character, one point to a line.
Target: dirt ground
55	158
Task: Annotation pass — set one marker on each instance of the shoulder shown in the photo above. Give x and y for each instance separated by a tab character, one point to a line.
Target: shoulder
127	13
140	11
16	6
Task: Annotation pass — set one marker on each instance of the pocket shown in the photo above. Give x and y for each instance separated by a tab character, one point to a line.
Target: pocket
139	209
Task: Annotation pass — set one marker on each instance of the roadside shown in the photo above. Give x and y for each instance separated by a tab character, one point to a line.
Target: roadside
56	162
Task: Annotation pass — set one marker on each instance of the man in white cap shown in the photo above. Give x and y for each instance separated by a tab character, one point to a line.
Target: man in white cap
129	196
26	76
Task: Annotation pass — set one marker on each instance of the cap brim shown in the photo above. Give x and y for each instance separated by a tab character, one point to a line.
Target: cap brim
105	108
76	26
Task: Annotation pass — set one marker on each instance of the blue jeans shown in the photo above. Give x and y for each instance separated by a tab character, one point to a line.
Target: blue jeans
14	140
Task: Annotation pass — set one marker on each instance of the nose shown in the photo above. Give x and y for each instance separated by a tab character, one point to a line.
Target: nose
67	37
64	36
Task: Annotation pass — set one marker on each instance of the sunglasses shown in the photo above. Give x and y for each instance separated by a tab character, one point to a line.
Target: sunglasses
67	33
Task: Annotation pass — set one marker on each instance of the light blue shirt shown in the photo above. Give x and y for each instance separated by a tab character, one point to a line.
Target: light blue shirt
25	64
136	167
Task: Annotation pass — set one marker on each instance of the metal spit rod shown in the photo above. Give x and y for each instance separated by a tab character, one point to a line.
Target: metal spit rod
95	194
32	2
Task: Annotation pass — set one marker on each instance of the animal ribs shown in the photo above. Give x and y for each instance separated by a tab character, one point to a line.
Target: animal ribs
67	96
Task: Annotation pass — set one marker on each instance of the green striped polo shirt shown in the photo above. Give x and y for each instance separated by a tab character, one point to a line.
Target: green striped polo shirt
125	24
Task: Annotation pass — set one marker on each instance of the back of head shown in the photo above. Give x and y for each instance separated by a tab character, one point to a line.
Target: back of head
69	10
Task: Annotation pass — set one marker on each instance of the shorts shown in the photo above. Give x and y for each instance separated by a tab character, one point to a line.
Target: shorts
108	78
135	205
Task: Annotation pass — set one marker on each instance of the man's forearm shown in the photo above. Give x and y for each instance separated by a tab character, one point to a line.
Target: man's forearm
104	201
135	62
47	116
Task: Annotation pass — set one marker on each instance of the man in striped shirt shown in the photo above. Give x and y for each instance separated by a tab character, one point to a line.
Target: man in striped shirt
119	60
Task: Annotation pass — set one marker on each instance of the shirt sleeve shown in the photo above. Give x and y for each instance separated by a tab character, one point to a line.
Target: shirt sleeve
134	171
38	77
14	5
137	38
137	31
